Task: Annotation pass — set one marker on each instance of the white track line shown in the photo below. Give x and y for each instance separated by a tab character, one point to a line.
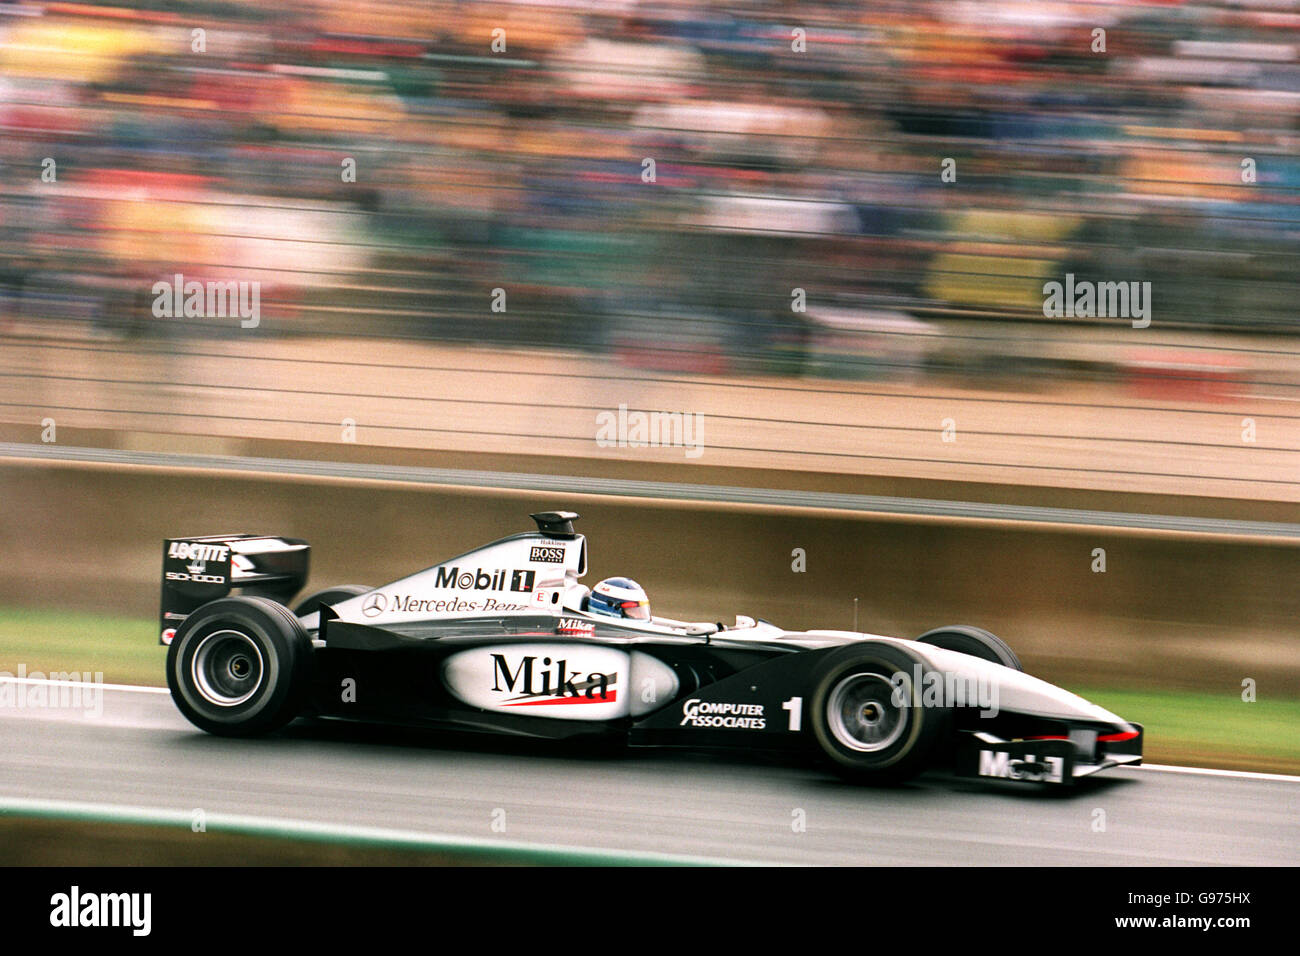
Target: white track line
50	682
368	835
1160	768
1206	771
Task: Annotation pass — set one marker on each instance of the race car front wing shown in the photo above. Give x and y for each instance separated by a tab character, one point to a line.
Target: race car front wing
1048	760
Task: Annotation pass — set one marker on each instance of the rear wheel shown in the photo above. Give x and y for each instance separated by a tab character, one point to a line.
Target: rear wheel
868	714
312	604
239	666
974	641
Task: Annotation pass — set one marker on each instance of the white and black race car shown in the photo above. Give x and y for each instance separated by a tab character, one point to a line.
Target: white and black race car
505	639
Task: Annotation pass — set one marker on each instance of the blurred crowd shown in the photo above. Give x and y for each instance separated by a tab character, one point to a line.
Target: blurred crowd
681	183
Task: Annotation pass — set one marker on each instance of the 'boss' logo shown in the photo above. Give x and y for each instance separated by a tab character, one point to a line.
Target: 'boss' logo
546	555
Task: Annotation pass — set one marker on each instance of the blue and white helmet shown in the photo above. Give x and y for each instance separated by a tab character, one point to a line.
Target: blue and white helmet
619	597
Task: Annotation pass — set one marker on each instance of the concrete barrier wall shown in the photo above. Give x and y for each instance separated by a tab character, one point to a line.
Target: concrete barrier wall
1167	611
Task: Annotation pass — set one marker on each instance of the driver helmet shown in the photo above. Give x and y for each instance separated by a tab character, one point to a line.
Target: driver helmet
619	597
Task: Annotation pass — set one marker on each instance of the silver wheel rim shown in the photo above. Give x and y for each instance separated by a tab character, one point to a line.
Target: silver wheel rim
227	668
862	714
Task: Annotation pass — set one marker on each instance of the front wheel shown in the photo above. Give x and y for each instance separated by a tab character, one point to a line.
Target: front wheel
869	717
974	641
238	666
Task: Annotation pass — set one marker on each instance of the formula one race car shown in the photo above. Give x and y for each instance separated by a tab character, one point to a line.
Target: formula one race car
504	639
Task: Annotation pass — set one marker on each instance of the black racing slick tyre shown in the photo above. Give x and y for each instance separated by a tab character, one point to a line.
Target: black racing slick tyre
239	666
974	641
869	715
311	604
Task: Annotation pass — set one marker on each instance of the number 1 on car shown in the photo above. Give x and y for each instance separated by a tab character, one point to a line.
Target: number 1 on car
794	706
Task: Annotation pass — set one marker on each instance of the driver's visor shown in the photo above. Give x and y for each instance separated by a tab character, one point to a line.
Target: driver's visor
637	610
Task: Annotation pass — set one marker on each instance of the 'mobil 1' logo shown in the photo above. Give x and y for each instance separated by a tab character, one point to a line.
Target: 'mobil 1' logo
481	580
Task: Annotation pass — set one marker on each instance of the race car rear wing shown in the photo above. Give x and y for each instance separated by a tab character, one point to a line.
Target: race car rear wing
202	569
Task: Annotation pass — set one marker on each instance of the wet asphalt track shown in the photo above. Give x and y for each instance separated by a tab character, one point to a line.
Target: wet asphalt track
142	753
